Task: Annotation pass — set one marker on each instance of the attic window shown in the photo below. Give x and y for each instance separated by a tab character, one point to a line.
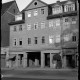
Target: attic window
35	3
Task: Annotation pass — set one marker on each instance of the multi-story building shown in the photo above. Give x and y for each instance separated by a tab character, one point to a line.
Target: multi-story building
45	36
8	12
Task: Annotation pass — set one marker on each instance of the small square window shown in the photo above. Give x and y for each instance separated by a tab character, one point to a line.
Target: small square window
66	19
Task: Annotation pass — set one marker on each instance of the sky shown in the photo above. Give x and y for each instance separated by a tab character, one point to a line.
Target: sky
23	3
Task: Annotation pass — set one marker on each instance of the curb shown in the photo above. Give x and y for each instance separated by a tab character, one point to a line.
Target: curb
40	69
41	77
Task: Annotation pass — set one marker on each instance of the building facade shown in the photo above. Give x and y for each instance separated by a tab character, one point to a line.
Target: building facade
46	36
8	12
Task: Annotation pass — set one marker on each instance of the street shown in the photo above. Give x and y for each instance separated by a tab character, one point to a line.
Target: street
39	75
28	79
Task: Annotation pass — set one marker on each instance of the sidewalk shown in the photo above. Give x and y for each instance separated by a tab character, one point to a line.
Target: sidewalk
45	69
42	77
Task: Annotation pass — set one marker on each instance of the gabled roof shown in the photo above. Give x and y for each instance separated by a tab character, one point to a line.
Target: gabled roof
32	2
5	7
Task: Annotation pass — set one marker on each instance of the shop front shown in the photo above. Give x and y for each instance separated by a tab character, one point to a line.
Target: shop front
69	58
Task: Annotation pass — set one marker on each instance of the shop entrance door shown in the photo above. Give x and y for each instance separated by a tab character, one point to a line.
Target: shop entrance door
70	61
47	59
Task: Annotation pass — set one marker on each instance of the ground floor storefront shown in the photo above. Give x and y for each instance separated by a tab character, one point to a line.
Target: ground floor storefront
46	58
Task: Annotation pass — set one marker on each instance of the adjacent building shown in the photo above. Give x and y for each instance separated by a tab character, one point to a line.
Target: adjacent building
44	35
8	12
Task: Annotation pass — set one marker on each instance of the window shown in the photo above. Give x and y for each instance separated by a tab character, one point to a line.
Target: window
20	42
29	14
74	38
51	39
66	37
43	39
35	13
14	10
57	38
20	28
69	7
35	3
36	40
14	43
14	28
57	22
42	11
29	40
28	27
50	23
36	26
73	20
66	19
42	25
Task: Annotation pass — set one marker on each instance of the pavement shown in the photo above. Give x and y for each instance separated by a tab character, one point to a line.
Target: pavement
41	73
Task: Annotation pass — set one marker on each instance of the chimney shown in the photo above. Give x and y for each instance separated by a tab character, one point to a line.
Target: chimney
58	1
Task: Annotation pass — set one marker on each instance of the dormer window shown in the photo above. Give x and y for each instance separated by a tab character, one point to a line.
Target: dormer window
57	9
69	7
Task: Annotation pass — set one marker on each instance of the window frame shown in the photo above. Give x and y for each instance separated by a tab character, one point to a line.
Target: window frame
20	27
29	14
28	26
36	24
43	25
35	40
35	12
29	41
42	11
15	28
43	39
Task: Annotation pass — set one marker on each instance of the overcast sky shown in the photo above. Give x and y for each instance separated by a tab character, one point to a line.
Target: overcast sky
23	3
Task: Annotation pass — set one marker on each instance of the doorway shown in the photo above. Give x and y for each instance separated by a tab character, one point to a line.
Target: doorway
70	61
47	59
